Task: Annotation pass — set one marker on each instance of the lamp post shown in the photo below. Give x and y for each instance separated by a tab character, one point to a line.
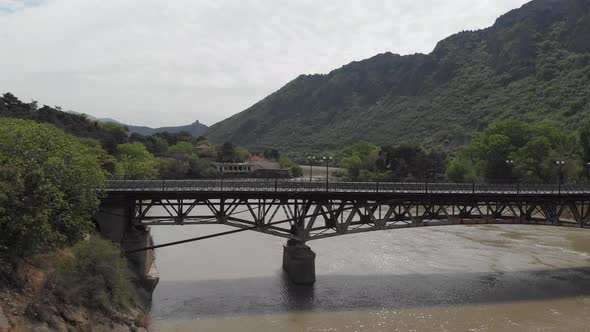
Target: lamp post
433	180
327	160
510	164
387	167
310	159
221	170
560	164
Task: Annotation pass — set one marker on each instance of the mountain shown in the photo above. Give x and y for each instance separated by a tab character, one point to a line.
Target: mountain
533	64
107	120
196	128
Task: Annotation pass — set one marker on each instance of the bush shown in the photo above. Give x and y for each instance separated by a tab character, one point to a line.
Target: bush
94	274
50	186
294	169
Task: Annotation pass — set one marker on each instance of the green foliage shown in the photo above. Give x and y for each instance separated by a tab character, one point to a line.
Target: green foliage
75	124
584	135
155	145
106	139
183	148
227	153
461	170
241	153
94	274
532	65
135	161
353	165
365	161
49	187
362	155
294	169
411	161
533	149
183	162
272	154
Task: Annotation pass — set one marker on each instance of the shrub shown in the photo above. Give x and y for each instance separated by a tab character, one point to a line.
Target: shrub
94	274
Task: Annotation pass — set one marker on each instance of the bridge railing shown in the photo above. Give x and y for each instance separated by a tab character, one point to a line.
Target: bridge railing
282	185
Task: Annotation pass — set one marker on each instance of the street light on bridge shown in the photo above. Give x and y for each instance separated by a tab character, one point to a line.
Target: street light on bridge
560	164
327	160
310	159
510	164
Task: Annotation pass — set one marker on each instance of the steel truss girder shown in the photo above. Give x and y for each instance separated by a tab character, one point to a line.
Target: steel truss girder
311	219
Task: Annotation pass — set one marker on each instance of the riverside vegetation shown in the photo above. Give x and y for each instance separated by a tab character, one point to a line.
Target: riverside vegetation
51	274
124	154
531	149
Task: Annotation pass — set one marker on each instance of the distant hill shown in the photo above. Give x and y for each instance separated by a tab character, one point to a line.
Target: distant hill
533	64
196	128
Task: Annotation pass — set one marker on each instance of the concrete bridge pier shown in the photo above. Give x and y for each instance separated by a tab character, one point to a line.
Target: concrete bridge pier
143	262
299	263
114	221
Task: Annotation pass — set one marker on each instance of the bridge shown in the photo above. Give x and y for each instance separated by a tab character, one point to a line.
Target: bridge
302	211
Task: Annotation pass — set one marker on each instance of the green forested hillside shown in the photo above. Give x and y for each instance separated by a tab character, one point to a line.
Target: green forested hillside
533	64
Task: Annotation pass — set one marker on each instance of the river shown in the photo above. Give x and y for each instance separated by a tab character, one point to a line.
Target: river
451	278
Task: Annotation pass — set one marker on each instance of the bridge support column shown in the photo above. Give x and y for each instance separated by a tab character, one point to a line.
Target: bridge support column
143	262
114	220
222	219
299	263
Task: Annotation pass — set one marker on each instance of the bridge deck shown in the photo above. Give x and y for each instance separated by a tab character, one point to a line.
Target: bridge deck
290	186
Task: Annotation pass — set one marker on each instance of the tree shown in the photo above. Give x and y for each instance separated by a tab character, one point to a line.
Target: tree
410	160
49	187
271	154
183	149
183	163
241	153
227	153
362	155
294	169
155	145
461	169
584	137
533	161
533	148
134	160
353	165
117	134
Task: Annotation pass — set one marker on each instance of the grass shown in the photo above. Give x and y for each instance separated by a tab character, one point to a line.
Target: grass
93	273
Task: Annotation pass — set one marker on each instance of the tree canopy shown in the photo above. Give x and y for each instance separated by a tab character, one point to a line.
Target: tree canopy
50	185
510	150
135	161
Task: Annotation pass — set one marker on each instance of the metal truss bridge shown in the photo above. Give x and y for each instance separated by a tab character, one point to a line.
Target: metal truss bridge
304	211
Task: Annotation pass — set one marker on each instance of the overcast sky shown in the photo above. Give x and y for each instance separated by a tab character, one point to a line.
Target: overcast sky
160	63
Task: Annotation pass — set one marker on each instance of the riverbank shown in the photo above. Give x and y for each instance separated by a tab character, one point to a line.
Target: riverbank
87	287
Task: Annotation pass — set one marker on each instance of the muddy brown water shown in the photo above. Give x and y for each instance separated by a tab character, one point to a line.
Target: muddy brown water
451	278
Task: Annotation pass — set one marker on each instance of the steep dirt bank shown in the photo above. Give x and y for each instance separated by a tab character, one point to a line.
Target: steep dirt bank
31	301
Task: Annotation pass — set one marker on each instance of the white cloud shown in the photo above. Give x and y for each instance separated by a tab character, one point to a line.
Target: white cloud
155	63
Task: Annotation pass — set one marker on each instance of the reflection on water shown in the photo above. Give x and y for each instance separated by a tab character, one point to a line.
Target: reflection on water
453	278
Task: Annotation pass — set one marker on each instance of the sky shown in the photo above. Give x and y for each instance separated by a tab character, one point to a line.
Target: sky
167	63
